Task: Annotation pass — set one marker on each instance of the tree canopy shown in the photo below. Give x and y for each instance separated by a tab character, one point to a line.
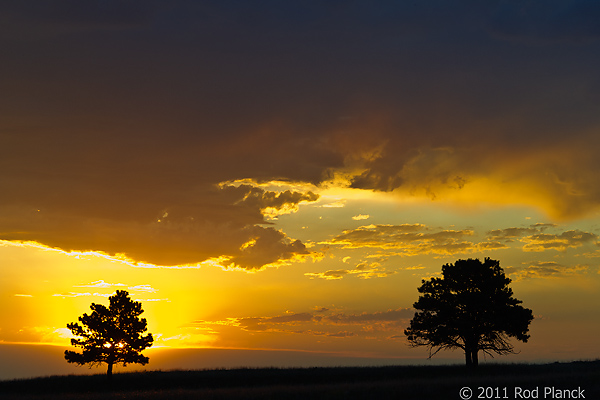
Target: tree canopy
472	308
111	335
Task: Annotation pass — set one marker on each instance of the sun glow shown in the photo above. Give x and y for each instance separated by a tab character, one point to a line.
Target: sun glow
118	345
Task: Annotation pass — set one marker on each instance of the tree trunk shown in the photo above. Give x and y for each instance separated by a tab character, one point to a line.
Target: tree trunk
475	358
468	358
471	355
109	371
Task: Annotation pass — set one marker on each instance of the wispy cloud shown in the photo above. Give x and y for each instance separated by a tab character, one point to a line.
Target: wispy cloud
142	288
335	204
389	316
410	239
81	294
536	238
329	275
509	234
105	285
100	284
546	269
559	242
320	322
362	270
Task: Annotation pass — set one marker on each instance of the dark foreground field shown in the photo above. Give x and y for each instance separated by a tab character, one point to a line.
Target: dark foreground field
500	381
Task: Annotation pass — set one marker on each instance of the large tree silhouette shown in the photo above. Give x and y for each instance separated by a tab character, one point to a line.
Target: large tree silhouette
111	335
472	308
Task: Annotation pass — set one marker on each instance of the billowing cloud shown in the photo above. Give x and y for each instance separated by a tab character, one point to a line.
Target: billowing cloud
464	174
219	226
269	203
266	246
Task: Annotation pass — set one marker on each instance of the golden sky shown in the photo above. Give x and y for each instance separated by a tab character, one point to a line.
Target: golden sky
282	176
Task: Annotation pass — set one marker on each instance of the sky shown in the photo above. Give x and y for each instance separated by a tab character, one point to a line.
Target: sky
278	177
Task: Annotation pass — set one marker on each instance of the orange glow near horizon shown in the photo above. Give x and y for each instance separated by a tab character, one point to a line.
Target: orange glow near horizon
209	306
274	193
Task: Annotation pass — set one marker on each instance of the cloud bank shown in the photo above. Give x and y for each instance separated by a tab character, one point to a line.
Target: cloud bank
121	120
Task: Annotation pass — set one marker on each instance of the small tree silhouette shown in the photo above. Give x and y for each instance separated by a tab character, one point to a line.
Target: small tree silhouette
472	308
111	335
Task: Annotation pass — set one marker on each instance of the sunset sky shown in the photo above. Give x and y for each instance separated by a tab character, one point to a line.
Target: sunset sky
268	175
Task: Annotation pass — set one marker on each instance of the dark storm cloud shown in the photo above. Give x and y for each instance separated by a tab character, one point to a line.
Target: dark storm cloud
114	113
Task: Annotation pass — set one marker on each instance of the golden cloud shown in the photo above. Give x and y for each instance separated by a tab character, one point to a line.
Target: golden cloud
328	275
548	178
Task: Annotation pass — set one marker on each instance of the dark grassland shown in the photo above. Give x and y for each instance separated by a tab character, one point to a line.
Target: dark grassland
403	382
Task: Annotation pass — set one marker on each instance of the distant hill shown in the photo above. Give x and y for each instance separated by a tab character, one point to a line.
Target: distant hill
19	361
